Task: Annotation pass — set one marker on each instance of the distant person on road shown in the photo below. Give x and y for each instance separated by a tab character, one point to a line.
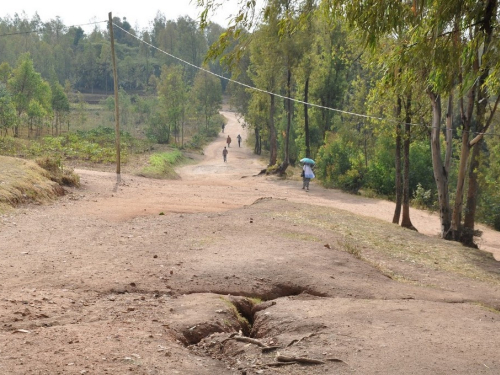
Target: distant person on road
223	126
228	140
239	140
307	175
224	154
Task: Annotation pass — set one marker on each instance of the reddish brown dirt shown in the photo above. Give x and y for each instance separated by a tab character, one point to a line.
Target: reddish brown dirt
144	276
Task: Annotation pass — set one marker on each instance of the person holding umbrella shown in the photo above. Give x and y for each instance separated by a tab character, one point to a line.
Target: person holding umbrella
307	172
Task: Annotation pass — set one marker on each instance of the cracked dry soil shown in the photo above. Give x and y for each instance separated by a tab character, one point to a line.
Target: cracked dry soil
165	277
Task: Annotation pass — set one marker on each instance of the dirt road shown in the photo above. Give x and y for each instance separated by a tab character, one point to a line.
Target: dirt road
157	277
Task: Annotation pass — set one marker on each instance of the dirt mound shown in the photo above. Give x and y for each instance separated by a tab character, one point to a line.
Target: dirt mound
24	181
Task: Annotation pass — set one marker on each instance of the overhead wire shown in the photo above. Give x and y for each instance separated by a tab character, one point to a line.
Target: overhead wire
369	117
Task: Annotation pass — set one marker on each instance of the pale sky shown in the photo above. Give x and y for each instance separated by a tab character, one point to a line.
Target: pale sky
138	13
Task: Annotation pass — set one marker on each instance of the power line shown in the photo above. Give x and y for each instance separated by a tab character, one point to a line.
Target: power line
285	97
248	86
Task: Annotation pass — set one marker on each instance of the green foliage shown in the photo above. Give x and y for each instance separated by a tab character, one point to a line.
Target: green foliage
381	173
31	94
11	146
489	196
206	96
8	117
205	135
421	172
340	164
172	95
158	130
423	198
97	145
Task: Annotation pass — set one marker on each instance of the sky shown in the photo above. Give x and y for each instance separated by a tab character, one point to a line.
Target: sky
138	13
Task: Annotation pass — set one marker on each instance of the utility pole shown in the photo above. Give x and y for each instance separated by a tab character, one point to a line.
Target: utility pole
117	112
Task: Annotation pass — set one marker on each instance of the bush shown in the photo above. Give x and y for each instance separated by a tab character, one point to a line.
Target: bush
422	198
340	164
381	172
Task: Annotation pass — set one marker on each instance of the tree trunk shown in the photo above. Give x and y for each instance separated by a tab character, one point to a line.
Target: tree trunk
467	235
273	143
466	116
449	135
482	100
306	119
286	159
440	175
405	221
399	186
257	149
459	195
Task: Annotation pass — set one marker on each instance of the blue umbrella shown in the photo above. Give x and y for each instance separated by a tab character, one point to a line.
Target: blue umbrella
307	161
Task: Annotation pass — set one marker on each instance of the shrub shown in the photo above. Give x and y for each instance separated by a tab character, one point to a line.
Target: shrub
340	164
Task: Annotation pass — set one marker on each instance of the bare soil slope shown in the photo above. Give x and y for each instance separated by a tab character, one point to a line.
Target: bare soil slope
223	272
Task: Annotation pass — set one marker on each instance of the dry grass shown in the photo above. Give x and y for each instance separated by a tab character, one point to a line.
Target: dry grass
384	245
24	181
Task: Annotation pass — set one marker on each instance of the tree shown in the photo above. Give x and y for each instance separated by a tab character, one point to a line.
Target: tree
172	94
60	105
5	72
445	43
265	70
8	116
27	86
207	96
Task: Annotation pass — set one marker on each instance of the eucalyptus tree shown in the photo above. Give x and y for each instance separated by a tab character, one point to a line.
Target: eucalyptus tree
191	45
172	93
206	95
448	41
5	72
8	116
60	105
305	38
334	67
481	79
265	70
395	20
281	20
281	15
145	51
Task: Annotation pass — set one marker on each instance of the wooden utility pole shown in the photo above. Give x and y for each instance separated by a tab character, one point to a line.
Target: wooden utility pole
117	112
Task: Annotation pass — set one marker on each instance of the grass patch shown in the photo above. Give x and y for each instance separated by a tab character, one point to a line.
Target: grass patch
161	165
351	247
378	242
300	236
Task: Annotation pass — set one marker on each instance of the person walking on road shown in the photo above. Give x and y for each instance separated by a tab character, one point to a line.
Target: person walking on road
224	154
307	175
239	140
228	140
